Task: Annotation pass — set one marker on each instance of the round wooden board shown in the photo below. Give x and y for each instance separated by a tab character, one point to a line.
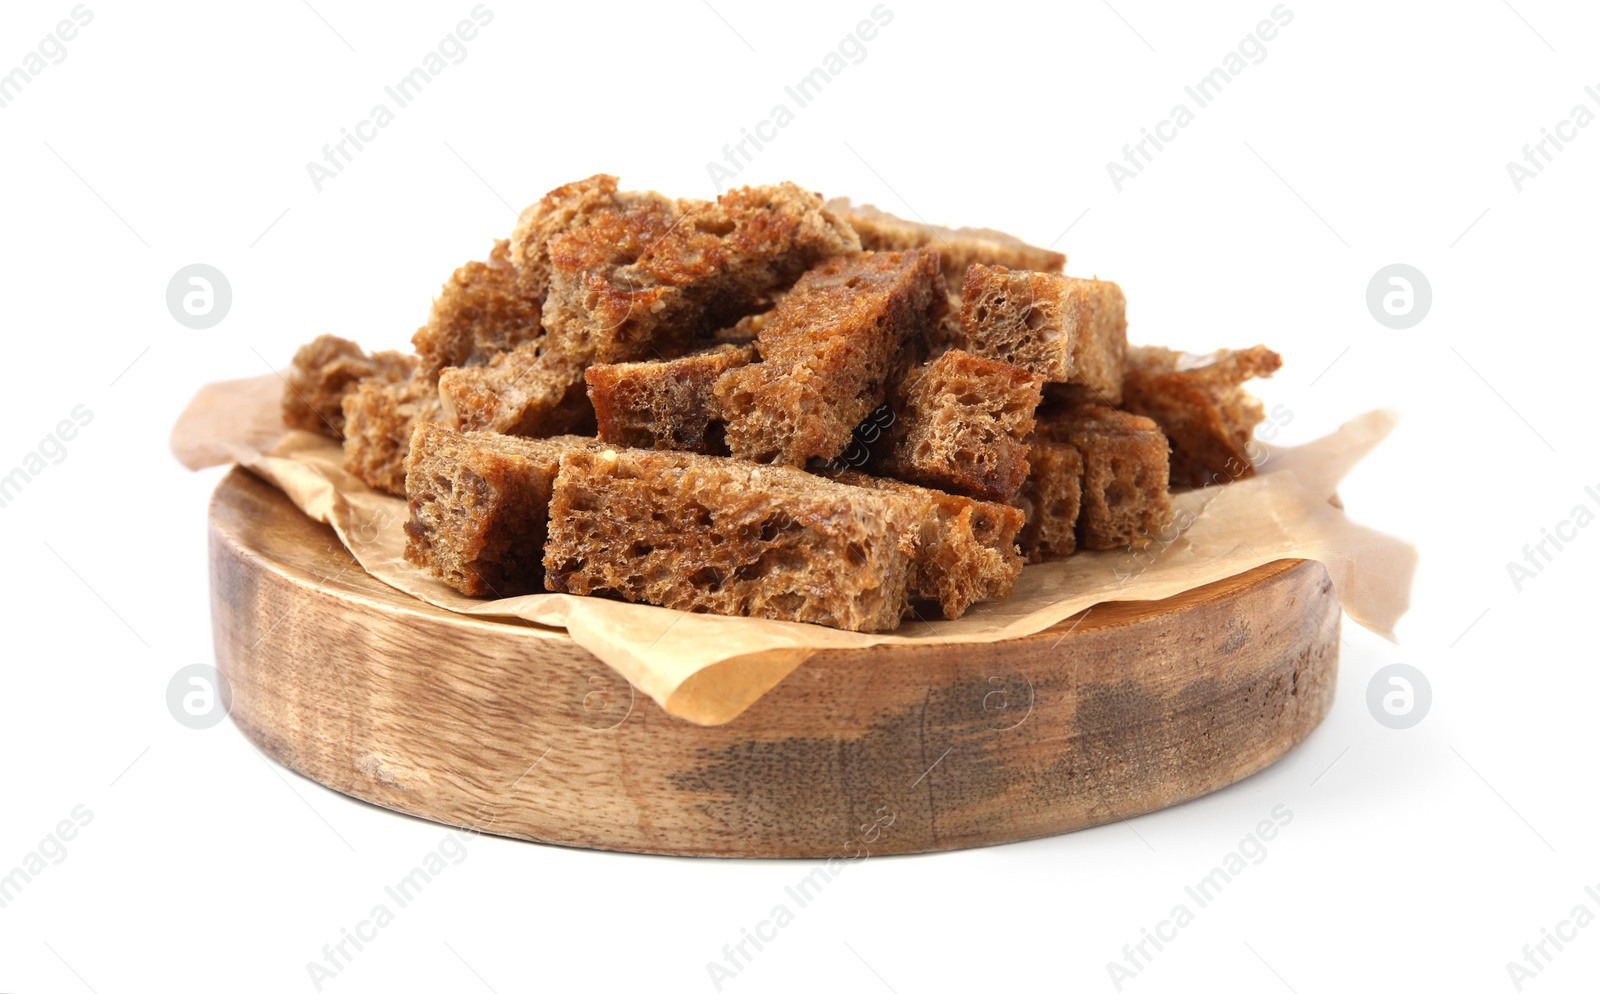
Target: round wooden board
514	730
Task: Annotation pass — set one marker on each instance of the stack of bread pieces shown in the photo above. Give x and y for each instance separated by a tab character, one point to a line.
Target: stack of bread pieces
772	406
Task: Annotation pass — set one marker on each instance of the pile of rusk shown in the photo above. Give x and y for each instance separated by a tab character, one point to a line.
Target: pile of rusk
772	406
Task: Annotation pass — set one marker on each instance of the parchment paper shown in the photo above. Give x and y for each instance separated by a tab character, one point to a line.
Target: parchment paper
707	669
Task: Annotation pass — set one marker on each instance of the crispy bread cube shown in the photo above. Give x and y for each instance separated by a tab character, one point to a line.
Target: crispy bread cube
379	418
703	533
1125	500
965	549
567	208
666	404
1050	500
530	390
1025	318
651	278
958	248
1201	406
324	371
962	424
624	277
1066	330
479	507
484	309
828	351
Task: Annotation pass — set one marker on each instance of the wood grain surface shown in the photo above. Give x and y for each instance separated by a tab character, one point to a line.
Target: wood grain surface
514	730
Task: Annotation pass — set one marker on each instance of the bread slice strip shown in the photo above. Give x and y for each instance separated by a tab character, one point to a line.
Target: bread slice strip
479	506
962	424
666	404
1200	404
958	248
965	549
829	350
704	533
1125	500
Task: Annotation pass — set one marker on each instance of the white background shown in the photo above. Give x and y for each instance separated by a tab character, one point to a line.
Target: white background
1371	134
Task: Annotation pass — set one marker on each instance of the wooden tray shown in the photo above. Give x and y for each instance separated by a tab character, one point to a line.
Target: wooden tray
514	730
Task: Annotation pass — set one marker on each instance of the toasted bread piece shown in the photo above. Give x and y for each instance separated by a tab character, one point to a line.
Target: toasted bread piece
531	390
962	424
627	277
326	370
484	309
479	507
703	533
1064	329
379	418
1125	499
829	350
649	280
567	208
666	404
958	248
965	549
1050	500
1201	406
